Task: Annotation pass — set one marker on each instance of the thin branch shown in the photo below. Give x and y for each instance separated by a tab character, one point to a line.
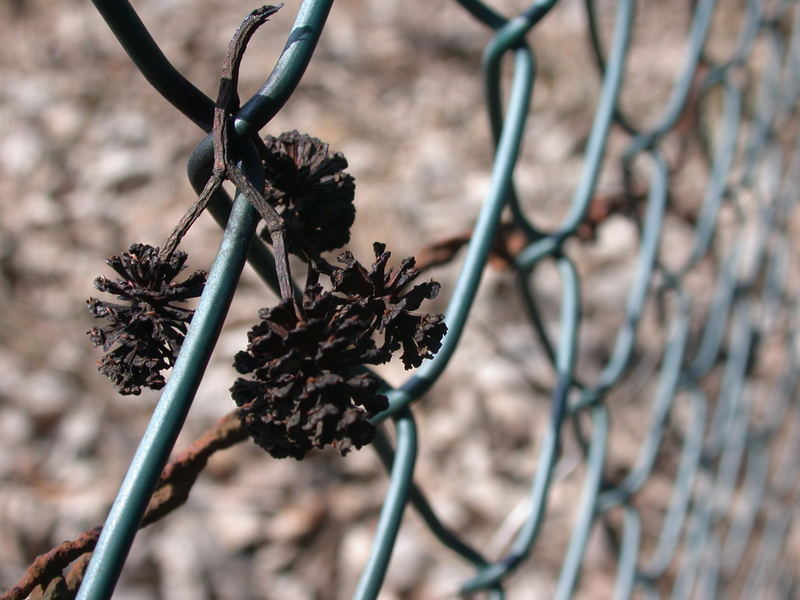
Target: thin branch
226	105
276	227
510	239
508	242
173	489
188	219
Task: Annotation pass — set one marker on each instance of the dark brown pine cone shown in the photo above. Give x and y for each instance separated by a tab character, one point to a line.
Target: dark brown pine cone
304	394
383	295
310	189
145	332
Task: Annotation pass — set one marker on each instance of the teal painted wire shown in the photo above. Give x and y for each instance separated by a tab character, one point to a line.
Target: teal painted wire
725	293
599	57
282	81
634	305
766	109
738	536
748	34
778	520
757	468
199	170
650	591
732	389
510	36
550	451
529	302
708	577
472	269
604	118
660	412
629	554
369	584
688	467
145	53
492	57
715	191
791	90
167	419
598	137
701	21
288	71
444	534
571	566
485	14
728	429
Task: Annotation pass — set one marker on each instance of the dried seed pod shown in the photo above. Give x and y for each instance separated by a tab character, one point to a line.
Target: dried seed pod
303	394
385	296
145	332
310	189
306	391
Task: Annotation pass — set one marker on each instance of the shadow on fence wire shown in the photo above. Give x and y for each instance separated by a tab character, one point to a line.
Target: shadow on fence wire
729	518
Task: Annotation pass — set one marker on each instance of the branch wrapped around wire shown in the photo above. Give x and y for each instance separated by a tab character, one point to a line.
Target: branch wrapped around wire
172	490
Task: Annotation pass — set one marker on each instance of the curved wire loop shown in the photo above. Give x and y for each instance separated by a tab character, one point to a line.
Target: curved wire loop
722	451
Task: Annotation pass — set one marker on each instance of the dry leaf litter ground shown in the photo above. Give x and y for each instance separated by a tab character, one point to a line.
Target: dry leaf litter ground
92	159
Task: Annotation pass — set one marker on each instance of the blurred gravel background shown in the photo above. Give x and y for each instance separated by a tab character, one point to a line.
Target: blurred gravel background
92	159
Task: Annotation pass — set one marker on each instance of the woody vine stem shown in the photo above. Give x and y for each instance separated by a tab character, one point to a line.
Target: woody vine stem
224	168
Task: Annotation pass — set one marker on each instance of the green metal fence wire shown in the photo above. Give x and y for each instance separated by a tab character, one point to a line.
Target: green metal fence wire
734	493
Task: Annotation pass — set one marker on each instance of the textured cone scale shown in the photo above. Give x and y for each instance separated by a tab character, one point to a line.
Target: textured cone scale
305	391
145	331
310	189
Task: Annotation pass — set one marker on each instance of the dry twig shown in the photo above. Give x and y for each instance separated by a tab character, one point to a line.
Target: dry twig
172	490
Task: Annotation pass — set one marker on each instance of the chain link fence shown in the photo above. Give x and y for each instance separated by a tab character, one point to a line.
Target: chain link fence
710	187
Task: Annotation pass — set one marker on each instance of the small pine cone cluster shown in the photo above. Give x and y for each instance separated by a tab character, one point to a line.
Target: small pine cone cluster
302	395
306	387
306	392
382	295
144	332
311	191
